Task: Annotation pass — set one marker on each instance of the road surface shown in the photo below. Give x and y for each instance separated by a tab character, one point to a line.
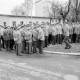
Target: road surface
39	66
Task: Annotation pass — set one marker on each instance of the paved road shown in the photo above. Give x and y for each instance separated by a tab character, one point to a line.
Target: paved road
39	67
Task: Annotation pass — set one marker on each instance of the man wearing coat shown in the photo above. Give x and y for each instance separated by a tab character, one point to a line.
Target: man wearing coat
6	36
66	34
41	39
18	41
35	38
0	39
28	39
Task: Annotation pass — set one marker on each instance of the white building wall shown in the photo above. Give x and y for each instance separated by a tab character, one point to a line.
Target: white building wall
4	19
10	19
17	19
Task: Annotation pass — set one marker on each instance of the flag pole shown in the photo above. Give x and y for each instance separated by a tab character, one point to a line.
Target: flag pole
33	4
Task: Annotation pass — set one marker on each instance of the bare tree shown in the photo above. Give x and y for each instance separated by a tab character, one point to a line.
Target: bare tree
76	9
24	9
18	10
59	10
27	5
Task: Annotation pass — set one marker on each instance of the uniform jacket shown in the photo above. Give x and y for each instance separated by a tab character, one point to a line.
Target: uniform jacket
28	36
40	34
17	37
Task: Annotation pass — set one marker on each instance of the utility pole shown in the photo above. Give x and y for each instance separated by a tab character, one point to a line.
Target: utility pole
32	9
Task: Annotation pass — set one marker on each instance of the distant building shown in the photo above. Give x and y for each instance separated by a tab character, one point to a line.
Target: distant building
39	8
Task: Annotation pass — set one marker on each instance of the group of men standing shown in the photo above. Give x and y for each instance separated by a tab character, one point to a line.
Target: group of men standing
32	37
24	40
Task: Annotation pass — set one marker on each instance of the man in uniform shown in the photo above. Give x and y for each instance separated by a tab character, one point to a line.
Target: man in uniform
66	34
53	35
7	38
18	41
0	38
50	34
60	34
4	36
57	32
11	39
35	38
28	38
74	33
23	39
71	32
41	39
77	32
46	31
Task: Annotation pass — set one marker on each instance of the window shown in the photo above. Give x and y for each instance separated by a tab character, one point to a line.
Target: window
14	23
21	23
4	23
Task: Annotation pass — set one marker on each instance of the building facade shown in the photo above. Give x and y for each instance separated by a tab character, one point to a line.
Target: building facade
12	20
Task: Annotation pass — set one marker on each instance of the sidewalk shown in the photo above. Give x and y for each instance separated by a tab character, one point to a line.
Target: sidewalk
63	53
60	49
57	49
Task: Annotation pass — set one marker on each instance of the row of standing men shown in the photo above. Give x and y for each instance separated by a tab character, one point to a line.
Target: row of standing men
29	38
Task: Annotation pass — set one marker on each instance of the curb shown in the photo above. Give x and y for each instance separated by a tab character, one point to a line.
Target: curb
63	53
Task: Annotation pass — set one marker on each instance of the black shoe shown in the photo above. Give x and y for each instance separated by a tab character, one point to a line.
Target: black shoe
18	54
34	51
41	53
66	47
69	47
22	52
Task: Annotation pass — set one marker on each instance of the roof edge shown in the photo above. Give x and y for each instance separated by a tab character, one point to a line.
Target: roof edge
23	16
8	15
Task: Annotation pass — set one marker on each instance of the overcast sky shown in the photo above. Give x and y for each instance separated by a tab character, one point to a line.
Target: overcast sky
7	5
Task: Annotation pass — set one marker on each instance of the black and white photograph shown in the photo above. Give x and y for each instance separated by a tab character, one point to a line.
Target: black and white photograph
39	39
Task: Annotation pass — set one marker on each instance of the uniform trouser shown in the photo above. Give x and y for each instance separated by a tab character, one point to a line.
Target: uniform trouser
7	44
46	41
18	48
59	39
11	44
34	46
40	46
66	40
28	47
63	38
74	37
53	39
77	38
23	46
50	38
0	43
70	36
15	45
